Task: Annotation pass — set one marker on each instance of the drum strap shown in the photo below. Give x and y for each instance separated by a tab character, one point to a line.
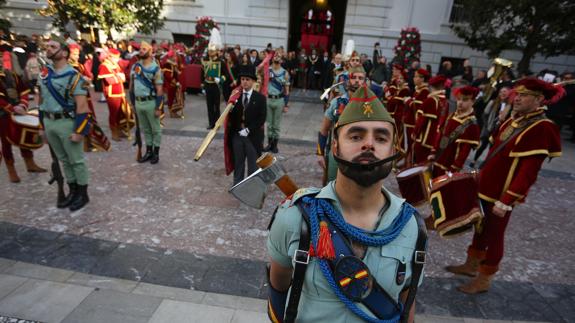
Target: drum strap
453	136
516	132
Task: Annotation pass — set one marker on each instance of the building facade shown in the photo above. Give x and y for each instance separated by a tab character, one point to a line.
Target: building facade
255	23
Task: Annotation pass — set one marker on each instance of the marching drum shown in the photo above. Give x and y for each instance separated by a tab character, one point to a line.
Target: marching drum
455	204
414	184
23	130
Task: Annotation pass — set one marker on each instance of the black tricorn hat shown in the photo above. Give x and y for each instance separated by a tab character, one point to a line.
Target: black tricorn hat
247	71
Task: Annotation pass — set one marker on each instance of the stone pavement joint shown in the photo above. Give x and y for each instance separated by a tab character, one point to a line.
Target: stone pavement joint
145	303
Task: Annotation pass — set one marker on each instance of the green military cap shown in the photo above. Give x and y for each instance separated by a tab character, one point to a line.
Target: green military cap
364	106
60	40
356	69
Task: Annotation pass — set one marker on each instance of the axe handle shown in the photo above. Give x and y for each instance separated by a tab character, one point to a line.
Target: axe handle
286	185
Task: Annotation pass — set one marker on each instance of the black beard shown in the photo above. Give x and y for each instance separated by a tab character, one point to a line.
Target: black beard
144	56
352	88
366	175
51	57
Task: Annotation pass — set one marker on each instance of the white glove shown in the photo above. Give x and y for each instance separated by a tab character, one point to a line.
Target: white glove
217	80
244	132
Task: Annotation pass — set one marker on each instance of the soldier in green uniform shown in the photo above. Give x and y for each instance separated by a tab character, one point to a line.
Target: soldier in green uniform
146	90
361	247
66	119
353	79
278	93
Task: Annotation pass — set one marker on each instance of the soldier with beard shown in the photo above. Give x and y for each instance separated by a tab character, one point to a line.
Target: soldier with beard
358	240
146	90
278	92
66	119
331	115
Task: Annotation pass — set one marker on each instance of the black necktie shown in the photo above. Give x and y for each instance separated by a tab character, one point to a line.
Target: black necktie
245	99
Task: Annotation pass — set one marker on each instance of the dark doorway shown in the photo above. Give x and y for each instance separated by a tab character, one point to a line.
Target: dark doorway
456	64
317	25
187	39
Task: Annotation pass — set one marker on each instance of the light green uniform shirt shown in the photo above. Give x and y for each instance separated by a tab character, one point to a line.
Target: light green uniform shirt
281	76
49	103
318	303
152	73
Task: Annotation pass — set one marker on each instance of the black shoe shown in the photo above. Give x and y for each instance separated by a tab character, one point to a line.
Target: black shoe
68	199
81	198
274	148
155	156
210	128
270	145
147	155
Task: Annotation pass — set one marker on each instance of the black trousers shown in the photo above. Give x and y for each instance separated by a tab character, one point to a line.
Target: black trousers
243	150
213	102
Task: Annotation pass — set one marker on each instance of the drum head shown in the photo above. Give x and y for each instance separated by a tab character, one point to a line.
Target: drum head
411	171
353	277
27	120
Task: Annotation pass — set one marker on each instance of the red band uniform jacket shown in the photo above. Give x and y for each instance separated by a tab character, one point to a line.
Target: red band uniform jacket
453	157
508	175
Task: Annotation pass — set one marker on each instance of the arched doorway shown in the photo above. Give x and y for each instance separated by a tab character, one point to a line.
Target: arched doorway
316	23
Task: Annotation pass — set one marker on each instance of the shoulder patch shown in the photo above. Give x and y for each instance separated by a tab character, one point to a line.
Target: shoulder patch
303	192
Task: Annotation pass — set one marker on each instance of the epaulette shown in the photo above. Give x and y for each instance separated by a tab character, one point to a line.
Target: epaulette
303	192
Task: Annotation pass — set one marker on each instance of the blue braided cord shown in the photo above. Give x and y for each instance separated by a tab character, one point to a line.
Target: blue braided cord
324	266
53	74
323	208
55	94
319	208
143	78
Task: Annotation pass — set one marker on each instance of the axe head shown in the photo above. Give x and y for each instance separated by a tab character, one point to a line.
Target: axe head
253	189
326	92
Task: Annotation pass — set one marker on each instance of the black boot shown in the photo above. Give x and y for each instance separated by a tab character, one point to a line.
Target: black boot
270	144
274	148
81	198
147	156
73	187
155	156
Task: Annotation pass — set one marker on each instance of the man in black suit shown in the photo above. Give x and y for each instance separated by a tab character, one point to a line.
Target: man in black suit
246	125
376	54
254	59
326	71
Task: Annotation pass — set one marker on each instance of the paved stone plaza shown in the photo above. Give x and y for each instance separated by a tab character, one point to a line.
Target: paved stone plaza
166	243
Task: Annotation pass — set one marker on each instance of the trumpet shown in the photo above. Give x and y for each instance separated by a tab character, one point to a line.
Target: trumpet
500	65
566	82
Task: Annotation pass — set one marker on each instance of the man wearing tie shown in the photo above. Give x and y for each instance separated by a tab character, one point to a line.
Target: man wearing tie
376	54
246	125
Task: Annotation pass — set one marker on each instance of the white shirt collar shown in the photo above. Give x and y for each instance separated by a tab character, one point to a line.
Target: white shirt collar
249	92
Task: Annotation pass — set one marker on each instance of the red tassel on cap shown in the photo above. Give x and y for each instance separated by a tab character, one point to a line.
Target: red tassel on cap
325	248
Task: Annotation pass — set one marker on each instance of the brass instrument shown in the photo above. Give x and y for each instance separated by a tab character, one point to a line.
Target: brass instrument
234	97
500	65
567	82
